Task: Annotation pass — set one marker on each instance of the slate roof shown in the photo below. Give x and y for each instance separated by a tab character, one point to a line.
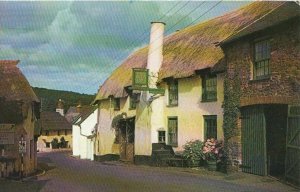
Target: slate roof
85	112
71	114
53	121
283	12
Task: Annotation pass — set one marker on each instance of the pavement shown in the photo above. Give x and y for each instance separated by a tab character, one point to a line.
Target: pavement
66	173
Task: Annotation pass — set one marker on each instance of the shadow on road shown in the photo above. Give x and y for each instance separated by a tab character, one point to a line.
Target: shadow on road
25	186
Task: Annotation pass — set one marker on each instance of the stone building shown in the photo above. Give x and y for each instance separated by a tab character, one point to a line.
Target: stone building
262	94
19	112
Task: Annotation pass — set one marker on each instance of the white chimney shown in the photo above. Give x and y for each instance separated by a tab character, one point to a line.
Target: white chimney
60	107
155	53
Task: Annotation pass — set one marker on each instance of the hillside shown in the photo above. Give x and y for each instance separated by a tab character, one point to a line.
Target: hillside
49	97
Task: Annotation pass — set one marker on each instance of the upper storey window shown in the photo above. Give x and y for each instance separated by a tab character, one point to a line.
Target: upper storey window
261	69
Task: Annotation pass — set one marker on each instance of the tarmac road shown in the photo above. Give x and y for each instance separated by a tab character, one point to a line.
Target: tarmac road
66	173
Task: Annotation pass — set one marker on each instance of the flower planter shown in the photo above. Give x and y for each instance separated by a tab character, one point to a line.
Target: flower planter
194	164
212	165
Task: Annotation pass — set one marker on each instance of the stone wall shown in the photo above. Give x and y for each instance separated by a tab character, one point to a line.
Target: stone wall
283	85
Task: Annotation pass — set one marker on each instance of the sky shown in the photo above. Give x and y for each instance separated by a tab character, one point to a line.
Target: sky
75	45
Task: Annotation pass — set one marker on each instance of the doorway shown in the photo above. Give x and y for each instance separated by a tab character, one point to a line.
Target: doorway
127	127
264	130
276	127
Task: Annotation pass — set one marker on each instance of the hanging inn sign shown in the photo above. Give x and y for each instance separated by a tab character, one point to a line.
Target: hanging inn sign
7	134
140	81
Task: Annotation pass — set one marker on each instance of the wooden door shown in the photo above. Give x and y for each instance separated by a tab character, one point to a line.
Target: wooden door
254	140
292	162
127	141
123	142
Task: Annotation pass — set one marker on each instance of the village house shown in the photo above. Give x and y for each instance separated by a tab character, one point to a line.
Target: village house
19	112
82	128
262	94
84	131
71	114
190	67
54	126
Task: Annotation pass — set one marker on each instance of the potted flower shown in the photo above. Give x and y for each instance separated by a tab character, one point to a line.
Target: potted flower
193	153
212	153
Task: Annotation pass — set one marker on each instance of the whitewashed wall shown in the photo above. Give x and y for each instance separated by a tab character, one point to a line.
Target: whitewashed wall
87	127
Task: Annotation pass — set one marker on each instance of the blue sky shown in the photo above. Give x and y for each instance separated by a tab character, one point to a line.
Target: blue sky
75	45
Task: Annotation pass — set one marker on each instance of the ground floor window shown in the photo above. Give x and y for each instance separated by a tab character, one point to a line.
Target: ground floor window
173	131
161	136
210	126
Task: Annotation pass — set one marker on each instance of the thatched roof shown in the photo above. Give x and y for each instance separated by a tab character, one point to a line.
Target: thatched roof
13	84
189	50
51	120
286	12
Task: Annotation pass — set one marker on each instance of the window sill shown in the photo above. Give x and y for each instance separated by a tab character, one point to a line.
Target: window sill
264	78
170	106
173	145
131	108
207	101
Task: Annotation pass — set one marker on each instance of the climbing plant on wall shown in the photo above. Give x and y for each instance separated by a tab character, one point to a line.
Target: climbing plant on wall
232	94
231	105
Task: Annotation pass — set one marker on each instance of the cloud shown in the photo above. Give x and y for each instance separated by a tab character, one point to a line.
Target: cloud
76	45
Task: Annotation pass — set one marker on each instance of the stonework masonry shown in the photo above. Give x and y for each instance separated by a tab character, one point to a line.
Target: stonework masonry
283	85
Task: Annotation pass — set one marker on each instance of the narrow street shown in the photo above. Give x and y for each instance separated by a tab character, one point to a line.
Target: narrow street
66	173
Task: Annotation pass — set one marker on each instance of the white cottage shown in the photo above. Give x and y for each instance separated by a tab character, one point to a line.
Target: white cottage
83	134
190	68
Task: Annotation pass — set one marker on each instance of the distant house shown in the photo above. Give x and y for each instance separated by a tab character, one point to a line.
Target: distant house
19	113
84	132
190	66
262	88
71	114
54	126
84	120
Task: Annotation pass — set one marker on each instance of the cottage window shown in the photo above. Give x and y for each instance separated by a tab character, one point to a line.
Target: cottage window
261	68
173	93
161	136
46	133
116	104
173	131
132	101
209	88
210	126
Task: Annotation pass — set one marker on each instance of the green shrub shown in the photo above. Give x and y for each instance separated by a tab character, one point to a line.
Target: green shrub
63	143
54	143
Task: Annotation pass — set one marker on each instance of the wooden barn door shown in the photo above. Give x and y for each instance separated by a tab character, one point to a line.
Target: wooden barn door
254	158
292	163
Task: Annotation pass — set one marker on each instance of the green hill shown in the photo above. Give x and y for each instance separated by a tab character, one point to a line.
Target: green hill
49	98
